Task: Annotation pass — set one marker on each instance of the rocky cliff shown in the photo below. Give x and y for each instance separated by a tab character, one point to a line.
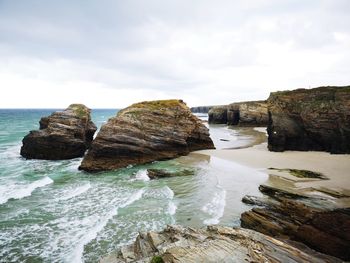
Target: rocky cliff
62	135
248	113
310	119
213	244
201	109
145	132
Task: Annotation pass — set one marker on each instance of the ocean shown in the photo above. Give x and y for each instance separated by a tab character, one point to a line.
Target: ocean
51	212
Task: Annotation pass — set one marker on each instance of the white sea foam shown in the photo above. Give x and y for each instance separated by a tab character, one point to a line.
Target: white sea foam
215	208
98	226
141	175
75	192
18	191
172	208
168	192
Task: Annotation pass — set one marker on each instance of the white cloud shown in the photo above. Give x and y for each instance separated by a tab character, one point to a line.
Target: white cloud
114	53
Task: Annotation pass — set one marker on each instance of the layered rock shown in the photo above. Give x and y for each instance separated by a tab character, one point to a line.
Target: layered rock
201	109
213	244
163	173
248	113
218	115
62	135
292	216
146	132
310	119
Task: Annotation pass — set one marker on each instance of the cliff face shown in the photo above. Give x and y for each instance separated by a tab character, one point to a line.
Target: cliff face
249	113
62	135
316	119
201	109
145	132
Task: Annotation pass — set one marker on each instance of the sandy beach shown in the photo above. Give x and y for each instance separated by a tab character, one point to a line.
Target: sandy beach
336	167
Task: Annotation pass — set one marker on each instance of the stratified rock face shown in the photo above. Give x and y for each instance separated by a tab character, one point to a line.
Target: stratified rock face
218	115
213	244
62	135
315	119
145	132
291	216
250	113
201	109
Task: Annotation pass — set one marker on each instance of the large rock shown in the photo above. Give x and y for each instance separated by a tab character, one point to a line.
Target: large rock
201	109
146	132
312	221
217	115
249	113
62	135
310	119
213	244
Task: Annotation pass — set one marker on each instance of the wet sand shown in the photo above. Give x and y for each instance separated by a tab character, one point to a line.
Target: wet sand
335	167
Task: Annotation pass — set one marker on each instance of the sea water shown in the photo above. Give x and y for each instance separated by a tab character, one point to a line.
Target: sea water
52	212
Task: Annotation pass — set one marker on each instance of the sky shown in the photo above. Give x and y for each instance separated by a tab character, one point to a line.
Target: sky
112	53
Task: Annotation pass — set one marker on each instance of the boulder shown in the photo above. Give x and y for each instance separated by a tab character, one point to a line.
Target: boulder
218	115
146	132
161	173
249	113
212	244
62	135
310	120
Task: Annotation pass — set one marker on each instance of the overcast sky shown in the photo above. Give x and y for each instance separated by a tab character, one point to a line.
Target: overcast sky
110	53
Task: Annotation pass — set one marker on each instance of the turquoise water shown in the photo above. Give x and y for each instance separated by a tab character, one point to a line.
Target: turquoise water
51	212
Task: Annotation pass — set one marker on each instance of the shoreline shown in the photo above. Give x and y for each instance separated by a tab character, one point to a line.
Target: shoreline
336	167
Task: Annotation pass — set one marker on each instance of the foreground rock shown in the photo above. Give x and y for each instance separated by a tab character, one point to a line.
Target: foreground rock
315	119
146	132
62	135
249	113
163	173
292	216
213	244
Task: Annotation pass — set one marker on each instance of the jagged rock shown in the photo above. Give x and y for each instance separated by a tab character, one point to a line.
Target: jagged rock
322	228
161	173
201	109
218	115
249	113
213	244
146	132
310	119
62	135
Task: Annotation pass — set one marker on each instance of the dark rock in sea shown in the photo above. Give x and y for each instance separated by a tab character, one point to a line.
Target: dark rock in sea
161	173
218	115
201	109
300	218
62	135
213	244
310	119
146	132
249	113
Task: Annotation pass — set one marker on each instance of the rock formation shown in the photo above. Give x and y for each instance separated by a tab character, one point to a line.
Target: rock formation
310	119
213	244
249	113
145	132
292	216
201	109
217	115
62	135
162	173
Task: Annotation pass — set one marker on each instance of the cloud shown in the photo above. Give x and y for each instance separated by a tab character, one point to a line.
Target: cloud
114	53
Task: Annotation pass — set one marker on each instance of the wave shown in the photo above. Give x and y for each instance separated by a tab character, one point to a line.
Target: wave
141	175
172	208
92	233
216	207
75	192
17	191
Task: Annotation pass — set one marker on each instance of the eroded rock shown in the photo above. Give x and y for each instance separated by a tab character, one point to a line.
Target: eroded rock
62	135
146	132
310	119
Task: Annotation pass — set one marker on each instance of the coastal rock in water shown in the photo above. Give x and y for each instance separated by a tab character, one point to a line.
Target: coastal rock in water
291	216
249	113
146	132
161	173
201	109
315	119
62	135
218	115
213	244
